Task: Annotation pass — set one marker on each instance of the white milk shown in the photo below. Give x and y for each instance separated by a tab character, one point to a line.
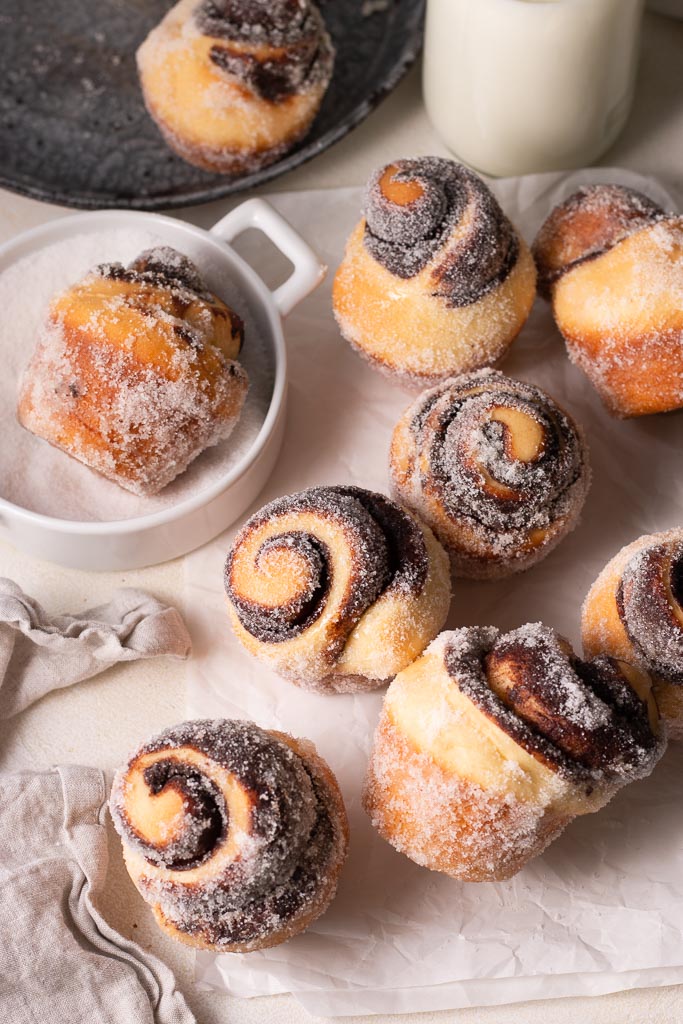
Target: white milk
517	86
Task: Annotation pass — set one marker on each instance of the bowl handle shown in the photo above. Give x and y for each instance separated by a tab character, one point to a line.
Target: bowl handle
308	270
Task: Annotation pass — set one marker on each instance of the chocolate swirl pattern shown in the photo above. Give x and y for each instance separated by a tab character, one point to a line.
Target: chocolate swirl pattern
234	835
337	588
275	50
411	212
494	467
135	372
490	744
435	279
611	262
234	84
634	611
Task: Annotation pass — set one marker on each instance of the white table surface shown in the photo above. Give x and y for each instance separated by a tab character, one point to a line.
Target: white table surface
100	721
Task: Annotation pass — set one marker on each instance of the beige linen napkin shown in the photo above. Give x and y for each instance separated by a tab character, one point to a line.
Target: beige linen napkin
59	959
39	653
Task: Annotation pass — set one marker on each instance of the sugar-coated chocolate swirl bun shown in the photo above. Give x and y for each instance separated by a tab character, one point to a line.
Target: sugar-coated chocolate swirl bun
490	744
234	84
611	261
634	611
435	279
135	371
495	467
337	588
288	50
234	835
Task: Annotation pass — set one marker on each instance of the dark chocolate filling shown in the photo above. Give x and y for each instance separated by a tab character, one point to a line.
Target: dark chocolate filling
202	802
283	622
163	267
405	239
408	564
275	21
676	578
273	79
644	608
582	718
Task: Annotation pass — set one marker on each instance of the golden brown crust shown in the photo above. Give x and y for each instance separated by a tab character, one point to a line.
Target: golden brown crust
458	828
234	835
632	612
489	745
135	372
613	263
232	92
435	280
232	161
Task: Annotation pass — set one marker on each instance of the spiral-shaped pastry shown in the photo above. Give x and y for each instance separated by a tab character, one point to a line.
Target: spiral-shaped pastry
135	371
490	744
336	588
235	84
233	834
435	280
494	467
634	611
611	261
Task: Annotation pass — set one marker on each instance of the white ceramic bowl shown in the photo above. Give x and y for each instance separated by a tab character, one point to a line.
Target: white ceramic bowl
175	530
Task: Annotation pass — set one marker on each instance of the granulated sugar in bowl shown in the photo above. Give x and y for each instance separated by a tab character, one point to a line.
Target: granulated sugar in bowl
52	506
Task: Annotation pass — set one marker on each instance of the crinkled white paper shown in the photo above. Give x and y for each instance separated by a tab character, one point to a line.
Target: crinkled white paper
602	908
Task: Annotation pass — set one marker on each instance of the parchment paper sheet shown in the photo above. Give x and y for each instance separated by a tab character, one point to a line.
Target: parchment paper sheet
602	909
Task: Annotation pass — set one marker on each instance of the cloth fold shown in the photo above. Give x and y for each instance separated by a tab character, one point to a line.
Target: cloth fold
39	653
59	959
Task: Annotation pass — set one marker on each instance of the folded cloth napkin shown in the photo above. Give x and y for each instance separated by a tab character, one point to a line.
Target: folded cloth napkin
39	653
59	959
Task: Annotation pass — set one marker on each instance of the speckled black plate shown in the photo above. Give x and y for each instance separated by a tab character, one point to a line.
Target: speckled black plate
73	127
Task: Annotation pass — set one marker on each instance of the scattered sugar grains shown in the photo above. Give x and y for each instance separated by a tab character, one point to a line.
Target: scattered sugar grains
37	476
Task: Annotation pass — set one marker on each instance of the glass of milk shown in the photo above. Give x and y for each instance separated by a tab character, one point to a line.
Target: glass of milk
518	86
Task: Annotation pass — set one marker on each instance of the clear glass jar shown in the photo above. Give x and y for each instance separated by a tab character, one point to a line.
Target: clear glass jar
519	86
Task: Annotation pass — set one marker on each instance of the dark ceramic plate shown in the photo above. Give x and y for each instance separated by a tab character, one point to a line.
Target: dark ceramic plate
73	127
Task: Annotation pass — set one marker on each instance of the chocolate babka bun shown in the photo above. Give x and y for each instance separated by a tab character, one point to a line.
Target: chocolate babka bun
234	835
235	84
611	262
634	610
589	223
275	49
337	588
495	467
435	279
491	743
135	372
